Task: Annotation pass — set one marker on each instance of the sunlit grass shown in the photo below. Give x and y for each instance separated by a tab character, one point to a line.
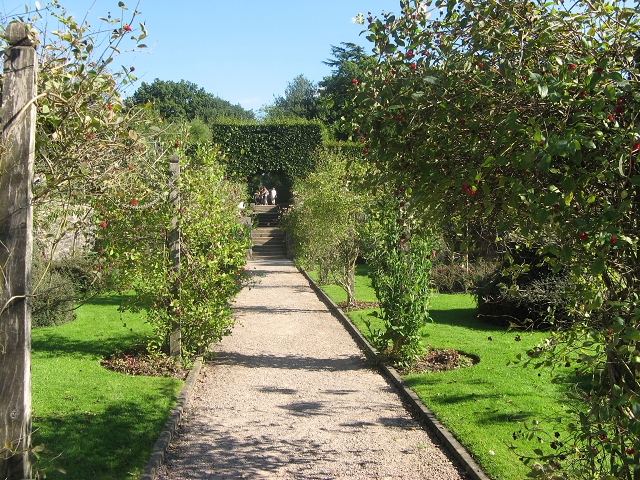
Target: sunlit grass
483	405
93	422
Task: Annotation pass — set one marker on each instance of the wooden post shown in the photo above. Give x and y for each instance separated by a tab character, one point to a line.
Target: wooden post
175	344
16	242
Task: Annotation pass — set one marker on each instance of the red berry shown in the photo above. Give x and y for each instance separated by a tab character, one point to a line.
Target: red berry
176	145
399	117
134	201
127	28
109	107
480	64
354	81
610	117
410	54
583	236
613	240
630	451
413	66
132	68
583	94
103	224
571	66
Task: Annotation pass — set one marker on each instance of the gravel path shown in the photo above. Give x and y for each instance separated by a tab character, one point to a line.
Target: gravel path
291	396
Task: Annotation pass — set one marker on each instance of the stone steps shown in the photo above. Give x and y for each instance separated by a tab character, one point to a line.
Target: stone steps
267	237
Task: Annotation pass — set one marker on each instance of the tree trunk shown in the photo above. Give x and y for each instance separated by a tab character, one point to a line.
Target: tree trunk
16	243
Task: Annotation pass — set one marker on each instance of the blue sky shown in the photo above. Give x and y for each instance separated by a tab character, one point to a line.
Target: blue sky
244	51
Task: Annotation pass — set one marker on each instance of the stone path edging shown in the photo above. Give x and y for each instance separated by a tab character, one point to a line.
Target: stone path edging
161	445
449	441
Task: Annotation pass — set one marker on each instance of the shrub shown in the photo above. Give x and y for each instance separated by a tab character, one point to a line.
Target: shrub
535	298
456	277
54	295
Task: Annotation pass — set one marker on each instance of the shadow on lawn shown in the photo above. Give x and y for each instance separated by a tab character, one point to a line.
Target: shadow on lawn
55	344
462	317
103	446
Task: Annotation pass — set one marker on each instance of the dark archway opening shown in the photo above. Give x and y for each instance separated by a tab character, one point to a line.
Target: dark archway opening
277	179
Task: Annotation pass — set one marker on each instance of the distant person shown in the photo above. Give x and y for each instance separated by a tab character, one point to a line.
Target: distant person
273	195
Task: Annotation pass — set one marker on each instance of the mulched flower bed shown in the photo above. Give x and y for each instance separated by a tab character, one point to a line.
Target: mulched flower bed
141	363
345	307
439	361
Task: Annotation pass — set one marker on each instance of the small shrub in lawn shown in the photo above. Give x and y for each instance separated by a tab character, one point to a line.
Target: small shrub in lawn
536	298
54	293
457	277
80	270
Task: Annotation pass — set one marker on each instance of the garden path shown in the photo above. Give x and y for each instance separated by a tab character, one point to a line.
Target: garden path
291	396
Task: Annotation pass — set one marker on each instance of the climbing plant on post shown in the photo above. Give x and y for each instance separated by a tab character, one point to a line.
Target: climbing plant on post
175	346
16	224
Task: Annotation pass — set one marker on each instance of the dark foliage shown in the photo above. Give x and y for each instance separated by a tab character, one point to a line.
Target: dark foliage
537	302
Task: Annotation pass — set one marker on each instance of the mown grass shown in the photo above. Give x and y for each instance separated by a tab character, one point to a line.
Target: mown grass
483	405
95	423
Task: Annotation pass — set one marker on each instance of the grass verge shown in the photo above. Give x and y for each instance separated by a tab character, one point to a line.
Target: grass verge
95	423
485	405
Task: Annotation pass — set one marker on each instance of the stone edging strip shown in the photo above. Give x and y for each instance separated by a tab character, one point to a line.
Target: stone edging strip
472	469
161	445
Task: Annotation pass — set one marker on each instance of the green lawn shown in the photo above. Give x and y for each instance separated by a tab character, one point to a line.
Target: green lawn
485	404
94	423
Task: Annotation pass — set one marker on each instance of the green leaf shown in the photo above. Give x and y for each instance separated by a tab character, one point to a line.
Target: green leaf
597	267
543	90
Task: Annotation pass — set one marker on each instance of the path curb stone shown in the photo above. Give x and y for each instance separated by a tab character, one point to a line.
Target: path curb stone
161	445
467	462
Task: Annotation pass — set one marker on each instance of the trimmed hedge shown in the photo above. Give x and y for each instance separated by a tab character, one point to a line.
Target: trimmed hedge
269	147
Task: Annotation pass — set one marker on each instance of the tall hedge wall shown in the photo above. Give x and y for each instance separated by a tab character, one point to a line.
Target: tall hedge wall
268	147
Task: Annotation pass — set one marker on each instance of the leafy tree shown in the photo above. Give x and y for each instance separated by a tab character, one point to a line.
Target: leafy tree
300	100
528	113
398	249
349	61
185	101
324	222
132	227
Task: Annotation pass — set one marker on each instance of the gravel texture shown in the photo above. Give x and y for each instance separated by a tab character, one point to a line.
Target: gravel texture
291	396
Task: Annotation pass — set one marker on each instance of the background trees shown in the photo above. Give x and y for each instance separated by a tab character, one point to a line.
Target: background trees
185	101
300	99
526	115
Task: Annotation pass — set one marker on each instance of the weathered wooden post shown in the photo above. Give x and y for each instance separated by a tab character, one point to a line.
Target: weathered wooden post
16	222
175	344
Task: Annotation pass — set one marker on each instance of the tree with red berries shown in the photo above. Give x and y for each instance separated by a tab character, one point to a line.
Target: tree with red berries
525	115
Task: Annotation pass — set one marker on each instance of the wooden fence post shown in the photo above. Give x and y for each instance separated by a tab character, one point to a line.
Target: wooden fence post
175	343
16	242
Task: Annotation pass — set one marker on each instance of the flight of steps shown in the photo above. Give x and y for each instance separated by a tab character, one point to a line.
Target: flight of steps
268	239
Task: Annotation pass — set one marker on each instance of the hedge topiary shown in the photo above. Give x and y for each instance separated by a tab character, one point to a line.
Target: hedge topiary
285	146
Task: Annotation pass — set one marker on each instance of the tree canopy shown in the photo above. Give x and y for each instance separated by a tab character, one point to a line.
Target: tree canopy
186	101
300	100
